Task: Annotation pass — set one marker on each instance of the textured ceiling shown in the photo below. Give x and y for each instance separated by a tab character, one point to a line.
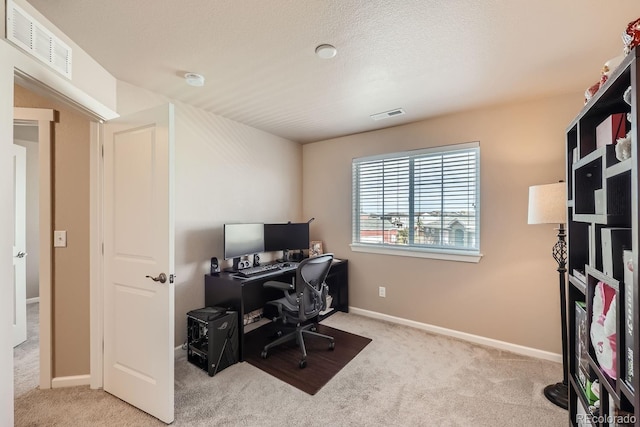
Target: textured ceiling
429	57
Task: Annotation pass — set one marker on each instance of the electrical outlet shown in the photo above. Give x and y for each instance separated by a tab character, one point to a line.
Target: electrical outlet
60	239
382	292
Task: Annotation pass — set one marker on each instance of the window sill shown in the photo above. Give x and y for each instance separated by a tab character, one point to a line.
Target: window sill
416	253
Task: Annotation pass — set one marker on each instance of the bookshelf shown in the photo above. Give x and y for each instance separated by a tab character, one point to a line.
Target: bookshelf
602	259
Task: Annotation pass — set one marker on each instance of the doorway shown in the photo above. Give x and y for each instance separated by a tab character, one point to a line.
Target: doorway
40	119
72	202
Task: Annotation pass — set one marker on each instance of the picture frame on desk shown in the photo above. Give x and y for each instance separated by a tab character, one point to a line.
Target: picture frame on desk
315	248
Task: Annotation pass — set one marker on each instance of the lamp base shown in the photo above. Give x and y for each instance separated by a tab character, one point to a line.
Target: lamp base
558	394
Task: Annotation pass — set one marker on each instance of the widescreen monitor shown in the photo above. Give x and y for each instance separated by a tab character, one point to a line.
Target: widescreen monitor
243	239
290	236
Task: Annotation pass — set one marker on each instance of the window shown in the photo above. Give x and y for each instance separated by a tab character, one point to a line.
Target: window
419	202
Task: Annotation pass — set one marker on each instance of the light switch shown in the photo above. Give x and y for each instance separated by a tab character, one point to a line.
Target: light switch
60	239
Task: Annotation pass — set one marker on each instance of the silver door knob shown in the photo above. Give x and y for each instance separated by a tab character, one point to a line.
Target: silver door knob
21	254
162	278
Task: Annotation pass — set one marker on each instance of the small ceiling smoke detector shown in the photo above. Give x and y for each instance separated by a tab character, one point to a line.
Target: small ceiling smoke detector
387	114
194	79
326	51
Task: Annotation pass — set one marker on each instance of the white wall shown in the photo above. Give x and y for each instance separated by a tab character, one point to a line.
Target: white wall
225	172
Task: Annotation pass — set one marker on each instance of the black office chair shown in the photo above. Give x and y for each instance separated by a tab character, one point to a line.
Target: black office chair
302	303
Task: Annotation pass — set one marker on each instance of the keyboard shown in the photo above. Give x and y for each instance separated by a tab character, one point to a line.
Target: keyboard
258	270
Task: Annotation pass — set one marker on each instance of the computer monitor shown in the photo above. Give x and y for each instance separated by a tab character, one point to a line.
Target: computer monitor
243	239
290	236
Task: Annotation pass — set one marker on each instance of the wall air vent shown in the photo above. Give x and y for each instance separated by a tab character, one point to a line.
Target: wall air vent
387	114
38	41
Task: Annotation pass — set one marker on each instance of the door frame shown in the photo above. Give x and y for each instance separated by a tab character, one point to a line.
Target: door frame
96	256
43	117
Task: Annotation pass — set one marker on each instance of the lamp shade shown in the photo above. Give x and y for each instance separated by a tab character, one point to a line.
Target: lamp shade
548	203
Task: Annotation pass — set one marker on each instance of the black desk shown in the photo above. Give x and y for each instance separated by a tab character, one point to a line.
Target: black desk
247	295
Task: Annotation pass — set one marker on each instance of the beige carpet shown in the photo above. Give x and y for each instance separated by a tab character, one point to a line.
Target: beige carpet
26	356
404	377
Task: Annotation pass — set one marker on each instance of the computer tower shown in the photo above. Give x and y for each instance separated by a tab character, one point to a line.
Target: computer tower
212	338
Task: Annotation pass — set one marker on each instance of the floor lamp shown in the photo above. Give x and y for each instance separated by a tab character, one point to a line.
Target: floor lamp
547	205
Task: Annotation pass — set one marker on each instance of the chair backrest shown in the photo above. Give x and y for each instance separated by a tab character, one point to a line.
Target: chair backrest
311	287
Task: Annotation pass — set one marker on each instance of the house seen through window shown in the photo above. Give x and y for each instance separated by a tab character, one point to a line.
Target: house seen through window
421	200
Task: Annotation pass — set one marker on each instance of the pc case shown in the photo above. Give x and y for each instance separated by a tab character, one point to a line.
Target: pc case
212	338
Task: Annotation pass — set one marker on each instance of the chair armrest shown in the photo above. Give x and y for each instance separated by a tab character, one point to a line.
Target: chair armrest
278	285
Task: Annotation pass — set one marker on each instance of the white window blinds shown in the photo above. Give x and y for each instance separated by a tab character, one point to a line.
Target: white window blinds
423	199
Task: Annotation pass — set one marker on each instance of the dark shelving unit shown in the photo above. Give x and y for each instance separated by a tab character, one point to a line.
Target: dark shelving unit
602	193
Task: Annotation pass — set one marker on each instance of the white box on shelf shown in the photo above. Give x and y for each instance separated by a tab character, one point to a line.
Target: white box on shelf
600	201
610	129
579	275
614	241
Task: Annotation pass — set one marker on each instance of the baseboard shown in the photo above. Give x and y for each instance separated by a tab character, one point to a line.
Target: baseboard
476	339
178	351
71	381
33	300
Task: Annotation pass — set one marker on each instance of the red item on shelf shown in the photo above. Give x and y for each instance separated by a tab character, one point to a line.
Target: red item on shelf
633	29
631	36
588	94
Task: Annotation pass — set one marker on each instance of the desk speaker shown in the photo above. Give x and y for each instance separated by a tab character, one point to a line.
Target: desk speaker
215	266
245	263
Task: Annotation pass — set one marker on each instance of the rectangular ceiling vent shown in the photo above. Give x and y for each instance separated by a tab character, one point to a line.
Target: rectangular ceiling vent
387	114
33	37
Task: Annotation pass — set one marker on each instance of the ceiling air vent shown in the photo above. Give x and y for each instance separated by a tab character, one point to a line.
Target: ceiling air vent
387	114
33	37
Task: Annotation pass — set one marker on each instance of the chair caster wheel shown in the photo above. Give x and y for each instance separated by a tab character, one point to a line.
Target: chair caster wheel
332	345
302	364
264	354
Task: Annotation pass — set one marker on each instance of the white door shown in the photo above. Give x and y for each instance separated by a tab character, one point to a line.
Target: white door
19	245
138	248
